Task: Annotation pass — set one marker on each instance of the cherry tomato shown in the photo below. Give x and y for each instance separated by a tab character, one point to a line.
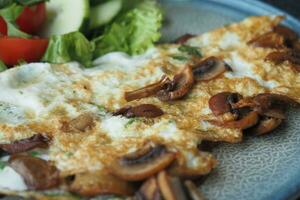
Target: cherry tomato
32	18
3	27
13	50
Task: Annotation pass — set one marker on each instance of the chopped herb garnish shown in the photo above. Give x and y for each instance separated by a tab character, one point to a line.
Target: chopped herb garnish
101	108
193	51
171	121
34	153
69	154
2	165
179	57
131	121
2	66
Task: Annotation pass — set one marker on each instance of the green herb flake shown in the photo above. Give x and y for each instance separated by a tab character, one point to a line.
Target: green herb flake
101	108
2	66
2	165
69	154
193	51
179	57
131	121
34	153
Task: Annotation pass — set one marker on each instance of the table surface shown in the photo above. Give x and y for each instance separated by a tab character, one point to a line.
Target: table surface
290	6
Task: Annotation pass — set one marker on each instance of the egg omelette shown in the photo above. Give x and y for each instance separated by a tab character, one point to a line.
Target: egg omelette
42	98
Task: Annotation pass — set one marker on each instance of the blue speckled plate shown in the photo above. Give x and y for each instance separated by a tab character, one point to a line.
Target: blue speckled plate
261	168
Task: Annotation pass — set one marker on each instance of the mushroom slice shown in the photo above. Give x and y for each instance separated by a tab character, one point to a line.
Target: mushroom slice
245	122
221	103
171	187
95	183
38	174
266	125
267	101
81	123
210	68
148	90
181	84
139	168
274	113
293	56
193	191
143	110
183	39
268	40
36	141
289	35
278	57
149	190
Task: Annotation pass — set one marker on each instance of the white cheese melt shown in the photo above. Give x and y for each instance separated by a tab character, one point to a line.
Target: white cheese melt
241	68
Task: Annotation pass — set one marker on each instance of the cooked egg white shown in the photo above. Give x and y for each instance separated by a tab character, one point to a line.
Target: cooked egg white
37	98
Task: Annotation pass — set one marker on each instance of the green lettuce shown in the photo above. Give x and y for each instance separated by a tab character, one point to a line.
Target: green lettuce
69	47
134	31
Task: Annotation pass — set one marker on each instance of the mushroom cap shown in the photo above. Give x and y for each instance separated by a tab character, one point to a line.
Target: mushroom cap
209	68
143	110
148	90
38	174
171	187
181	84
36	141
221	103
266	125
135	168
81	123
268	40
95	183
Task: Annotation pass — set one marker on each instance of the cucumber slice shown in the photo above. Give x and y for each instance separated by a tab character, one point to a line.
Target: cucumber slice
104	13
65	16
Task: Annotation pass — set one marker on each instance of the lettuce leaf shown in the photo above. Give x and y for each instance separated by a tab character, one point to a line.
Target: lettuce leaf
133	31
69	47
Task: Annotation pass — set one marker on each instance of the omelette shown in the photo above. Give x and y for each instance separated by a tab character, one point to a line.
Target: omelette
101	130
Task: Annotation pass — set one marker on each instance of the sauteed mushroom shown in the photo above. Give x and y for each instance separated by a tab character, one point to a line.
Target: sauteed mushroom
181	84
245	122
36	141
194	192
148	90
289	35
99	183
171	187
183	39
143	110
149	191
267	101
293	56
221	103
81	123
38	174
266	125
268	40
135	168
209	68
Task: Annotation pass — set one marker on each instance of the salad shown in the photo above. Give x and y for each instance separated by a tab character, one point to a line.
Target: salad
57	31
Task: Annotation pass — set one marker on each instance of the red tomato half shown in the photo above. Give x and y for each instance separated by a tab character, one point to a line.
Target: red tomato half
32	18
3	27
13	50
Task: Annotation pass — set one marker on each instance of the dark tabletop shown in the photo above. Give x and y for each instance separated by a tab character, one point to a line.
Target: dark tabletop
290	6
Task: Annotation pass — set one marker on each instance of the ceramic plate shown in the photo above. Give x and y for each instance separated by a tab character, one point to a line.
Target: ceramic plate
260	168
